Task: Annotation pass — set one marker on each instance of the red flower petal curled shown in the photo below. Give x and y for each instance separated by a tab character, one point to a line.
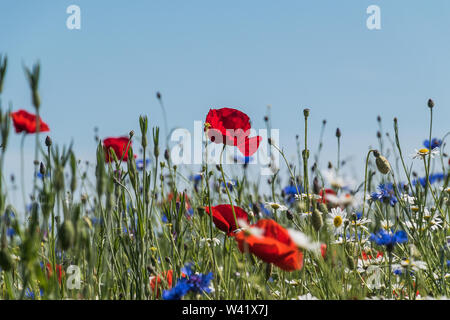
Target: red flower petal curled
223	217
275	246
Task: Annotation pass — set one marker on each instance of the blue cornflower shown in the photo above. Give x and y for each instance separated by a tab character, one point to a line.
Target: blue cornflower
385	194
196	178
435	177
10	232
140	164
264	210
230	184
191	282
435	143
389	239
290	191
164	219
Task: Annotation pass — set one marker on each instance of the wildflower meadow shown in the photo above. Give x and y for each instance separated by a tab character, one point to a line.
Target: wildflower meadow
126	231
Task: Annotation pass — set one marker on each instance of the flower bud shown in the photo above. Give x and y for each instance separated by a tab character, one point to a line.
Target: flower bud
42	169
306	113
66	234
316	219
430	103
382	163
48	141
338	133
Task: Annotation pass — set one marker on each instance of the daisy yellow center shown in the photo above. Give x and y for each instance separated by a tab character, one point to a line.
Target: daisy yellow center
337	221
424	150
275	206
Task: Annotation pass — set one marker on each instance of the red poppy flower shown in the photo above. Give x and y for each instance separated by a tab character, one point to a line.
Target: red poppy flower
327	192
25	121
274	246
232	127
119	145
155	282
223	217
58	268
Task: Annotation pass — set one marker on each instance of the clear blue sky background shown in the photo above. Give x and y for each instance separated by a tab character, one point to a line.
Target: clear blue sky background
242	54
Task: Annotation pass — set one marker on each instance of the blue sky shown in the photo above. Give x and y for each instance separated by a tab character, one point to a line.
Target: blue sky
242	54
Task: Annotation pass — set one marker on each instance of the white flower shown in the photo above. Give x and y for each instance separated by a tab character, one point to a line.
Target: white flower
408	199
275	206
244	226
341	200
303	241
360	223
307	296
209	241
424	152
306	196
386	224
335	180
338	217
415	265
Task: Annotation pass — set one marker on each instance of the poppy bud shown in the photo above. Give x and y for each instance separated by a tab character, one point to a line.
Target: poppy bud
66	234
379	119
324	122
289	215
158	95
382	163
430	103
266	118
306	113
42	169
316	186
330	165
305	154
338	133
48	141
166	155
316	219
378	134
131	134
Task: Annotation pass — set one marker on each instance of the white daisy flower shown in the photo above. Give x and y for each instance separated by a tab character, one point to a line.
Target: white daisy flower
386	224
408	199
275	206
338	217
337	181
420	154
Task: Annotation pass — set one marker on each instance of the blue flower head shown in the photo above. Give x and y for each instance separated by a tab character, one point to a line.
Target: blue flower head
389	239
140	164
385	194
435	143
290	191
191	282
